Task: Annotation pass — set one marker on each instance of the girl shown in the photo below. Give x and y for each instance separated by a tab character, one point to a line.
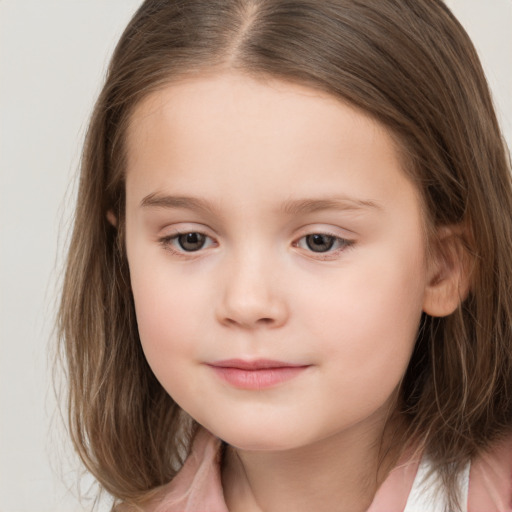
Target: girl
288	286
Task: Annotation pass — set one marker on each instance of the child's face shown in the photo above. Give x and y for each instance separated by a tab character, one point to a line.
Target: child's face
305	247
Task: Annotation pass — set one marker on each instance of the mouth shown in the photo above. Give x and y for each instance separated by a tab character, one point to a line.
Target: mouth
256	375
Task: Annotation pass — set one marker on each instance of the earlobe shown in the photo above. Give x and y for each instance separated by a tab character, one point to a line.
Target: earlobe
448	273
112	218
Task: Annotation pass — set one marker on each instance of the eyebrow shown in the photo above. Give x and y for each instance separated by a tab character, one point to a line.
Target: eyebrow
295	207
156	200
290	207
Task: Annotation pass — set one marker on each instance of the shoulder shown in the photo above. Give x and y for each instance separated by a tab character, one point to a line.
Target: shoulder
150	503
490	481
197	486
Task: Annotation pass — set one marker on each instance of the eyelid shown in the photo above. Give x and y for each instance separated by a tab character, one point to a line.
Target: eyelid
173	233
331	254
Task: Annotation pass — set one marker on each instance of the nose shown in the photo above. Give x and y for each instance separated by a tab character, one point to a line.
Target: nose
252	296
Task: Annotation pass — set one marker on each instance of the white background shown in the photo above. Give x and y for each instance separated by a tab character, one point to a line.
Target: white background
53	55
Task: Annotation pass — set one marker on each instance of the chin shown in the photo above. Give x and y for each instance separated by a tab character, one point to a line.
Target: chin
259	444
257	437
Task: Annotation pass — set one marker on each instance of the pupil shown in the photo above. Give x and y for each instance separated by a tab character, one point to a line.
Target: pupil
191	241
319	243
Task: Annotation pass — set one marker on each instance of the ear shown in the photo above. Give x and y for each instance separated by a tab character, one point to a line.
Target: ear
112	218
449	269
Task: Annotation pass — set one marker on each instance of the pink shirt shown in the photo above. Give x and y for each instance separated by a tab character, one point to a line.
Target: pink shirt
197	487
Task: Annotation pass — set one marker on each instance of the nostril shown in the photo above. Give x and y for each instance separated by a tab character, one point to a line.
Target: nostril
264	321
256	309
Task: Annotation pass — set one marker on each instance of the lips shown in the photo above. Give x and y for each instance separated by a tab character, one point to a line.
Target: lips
257	374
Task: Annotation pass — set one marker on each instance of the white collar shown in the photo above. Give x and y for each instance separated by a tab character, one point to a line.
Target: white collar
427	494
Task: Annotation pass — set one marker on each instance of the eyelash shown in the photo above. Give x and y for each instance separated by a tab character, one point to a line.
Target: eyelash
343	245
168	243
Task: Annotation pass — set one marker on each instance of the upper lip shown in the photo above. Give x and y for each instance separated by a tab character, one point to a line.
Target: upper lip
257	364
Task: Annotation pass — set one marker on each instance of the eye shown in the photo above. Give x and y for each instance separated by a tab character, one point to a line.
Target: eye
322	242
319	243
191	241
187	242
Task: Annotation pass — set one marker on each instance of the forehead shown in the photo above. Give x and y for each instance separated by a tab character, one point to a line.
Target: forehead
231	132
268	109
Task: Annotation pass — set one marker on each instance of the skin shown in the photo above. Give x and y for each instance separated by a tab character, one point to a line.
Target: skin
275	162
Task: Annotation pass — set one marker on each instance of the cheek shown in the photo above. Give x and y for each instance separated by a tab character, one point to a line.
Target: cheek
166	315
167	303
368	321
169	323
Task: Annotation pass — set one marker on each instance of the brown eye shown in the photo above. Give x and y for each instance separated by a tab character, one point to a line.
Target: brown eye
320	243
324	245
191	241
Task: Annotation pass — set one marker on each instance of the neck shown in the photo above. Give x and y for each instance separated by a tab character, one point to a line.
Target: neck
341	473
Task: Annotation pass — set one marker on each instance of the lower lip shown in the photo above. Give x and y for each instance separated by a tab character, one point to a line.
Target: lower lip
257	379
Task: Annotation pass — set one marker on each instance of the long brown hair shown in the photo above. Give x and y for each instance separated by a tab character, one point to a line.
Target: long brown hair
410	65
